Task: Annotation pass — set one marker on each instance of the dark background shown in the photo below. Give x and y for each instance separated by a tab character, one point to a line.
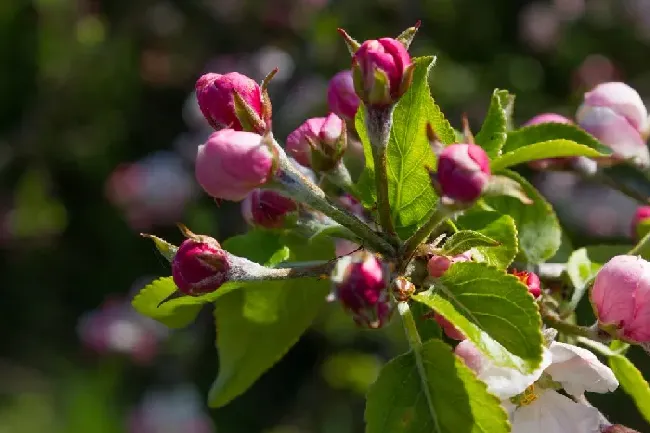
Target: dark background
98	127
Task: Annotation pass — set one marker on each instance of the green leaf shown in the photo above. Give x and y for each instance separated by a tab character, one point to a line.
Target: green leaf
441	126
465	240
496	226
584	264
258	325
541	150
493	309
438	395
427	326
540	234
167	250
408	154
632	382
492	135
176	313
552	131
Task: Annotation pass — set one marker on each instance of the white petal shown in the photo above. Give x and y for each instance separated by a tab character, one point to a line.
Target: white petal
579	370
507	382
555	413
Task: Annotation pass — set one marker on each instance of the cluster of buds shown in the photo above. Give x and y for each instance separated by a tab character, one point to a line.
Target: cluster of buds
620	297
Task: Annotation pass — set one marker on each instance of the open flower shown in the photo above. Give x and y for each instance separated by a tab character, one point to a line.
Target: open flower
532	400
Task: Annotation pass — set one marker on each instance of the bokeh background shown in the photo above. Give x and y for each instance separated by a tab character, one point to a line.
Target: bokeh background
98	130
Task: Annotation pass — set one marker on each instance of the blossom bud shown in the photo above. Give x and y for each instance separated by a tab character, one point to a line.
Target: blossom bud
200	266
267	209
233	163
382	71
618	428
463	172
341	97
614	113
531	280
621	298
542	164
318	143
360	283
641	222
231	101
448	328
438	265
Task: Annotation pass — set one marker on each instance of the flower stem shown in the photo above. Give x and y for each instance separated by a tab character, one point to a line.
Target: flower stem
590	332
378	124
340	176
294	183
242	269
437	216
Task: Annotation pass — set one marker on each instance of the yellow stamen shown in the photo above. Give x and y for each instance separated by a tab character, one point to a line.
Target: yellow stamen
528	396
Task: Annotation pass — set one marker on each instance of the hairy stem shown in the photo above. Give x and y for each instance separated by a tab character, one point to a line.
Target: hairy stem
590	332
437	216
242	269
413	337
293	182
340	176
378	125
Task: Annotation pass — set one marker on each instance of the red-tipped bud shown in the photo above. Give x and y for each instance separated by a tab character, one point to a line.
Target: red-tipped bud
360	283
620	297
438	265
318	143
341	97
463	172
543	164
382	71
531	280
448	328
267	209
200	266
231	101
641	222
233	163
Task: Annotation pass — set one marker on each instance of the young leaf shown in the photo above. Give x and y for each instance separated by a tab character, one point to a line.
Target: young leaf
167	250
584	264
632	382
493	309
541	150
551	131
492	135
427	326
540	234
409	153
465	240
176	313
496	226
437	395
258	325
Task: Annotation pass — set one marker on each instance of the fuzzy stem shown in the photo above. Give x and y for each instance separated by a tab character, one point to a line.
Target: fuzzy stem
378	125
299	187
242	269
437	216
591	332
340	176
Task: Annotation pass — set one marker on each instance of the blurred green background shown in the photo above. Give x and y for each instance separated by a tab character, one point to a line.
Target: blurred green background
98	129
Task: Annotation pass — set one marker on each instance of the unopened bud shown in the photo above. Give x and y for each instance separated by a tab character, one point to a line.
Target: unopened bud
341	97
531	280
448	328
438	265
620	297
402	289
268	209
382	71
360	284
463	172
233	163
319	142
641	222
200	266
231	101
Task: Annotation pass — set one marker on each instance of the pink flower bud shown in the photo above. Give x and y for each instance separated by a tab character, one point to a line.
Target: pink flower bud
341	97
621	298
233	163
531	280
463	172
543	164
469	353
215	94
318	143
200	266
382	71
615	115
642	215
360	283
438	265
448	328
267	209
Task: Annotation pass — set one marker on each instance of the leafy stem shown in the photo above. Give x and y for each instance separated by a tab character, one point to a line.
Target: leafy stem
415	342
436	217
378	124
